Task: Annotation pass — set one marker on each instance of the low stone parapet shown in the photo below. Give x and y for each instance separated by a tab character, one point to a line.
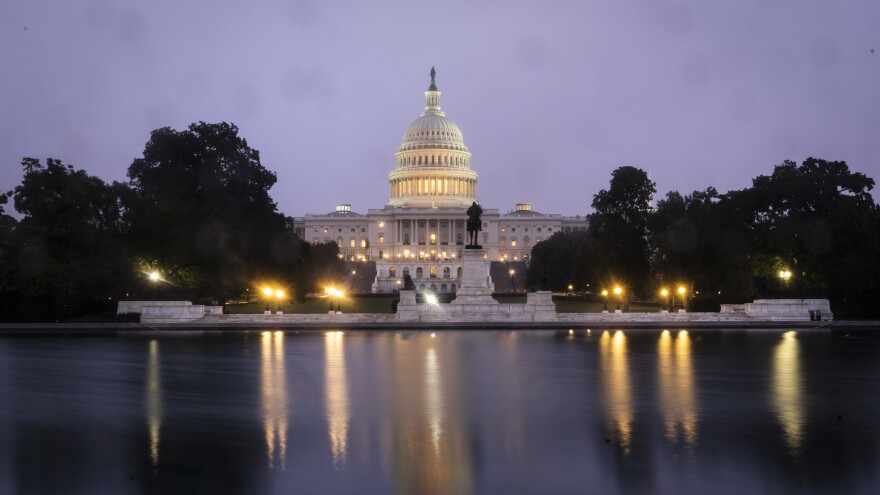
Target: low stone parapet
788	309
172	314
138	306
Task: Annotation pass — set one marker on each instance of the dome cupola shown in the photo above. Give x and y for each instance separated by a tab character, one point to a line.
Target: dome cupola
433	163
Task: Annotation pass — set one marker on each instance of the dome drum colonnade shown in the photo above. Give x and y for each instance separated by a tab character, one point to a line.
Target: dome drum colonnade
433	163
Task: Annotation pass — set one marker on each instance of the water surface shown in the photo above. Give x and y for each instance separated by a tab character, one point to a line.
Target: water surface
453	412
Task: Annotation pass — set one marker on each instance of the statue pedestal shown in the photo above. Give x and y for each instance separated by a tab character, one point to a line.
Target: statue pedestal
476	285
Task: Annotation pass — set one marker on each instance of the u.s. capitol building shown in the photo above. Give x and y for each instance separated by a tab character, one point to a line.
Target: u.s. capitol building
421	230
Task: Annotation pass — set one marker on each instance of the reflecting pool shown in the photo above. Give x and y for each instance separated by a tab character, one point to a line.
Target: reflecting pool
469	412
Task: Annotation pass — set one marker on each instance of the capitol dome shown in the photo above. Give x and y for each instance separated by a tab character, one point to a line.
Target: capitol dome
433	163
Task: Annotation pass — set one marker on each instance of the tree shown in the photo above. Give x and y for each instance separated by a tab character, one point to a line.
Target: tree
701	243
65	256
819	221
561	260
619	229
202	215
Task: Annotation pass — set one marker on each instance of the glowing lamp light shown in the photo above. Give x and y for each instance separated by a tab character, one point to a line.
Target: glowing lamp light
279	294
604	293
431	299
664	292
681	290
153	276
267	291
618	291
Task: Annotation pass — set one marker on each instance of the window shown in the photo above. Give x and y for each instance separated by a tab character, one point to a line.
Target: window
392	272
446	272
381	224
503	230
539	229
316	229
419	273
326	230
363	243
433	272
549	229
512	243
352	243
352	229
381	239
339	242
458	272
363	229
513	229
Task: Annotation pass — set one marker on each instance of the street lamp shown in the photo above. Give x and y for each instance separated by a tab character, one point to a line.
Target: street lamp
279	294
681	293
604	300
570	288
267	291
618	292
154	276
664	293
513	280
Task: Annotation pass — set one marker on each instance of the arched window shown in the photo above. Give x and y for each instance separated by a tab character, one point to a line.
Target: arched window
445	272
452	288
433	287
458	273
419	273
339	242
443	289
433	272
392	272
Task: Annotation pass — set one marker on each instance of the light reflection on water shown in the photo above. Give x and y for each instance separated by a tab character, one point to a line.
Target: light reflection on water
788	400
676	387
458	412
273	397
615	374
337	397
154	402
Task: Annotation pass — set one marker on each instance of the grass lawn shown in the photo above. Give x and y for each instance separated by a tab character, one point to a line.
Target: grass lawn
382	304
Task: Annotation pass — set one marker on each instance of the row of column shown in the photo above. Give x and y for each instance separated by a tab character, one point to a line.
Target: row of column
431	186
413	229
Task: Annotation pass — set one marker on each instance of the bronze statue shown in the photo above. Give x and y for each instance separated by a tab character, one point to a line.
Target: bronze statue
474	225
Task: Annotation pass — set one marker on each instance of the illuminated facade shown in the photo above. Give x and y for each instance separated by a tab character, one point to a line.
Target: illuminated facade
421	230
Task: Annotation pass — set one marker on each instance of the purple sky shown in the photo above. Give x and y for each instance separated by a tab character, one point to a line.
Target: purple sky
551	96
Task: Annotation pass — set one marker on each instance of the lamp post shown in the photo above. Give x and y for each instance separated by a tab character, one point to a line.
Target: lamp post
664	293
681	293
604	300
267	293
570	288
279	294
619	293
512	279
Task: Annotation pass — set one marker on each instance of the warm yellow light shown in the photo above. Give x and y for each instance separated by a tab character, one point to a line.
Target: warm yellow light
267	291
279	293
570	287
618	290
433	237
664	292
431	299
153	276
681	290
604	293
512	271
381	224
354	272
